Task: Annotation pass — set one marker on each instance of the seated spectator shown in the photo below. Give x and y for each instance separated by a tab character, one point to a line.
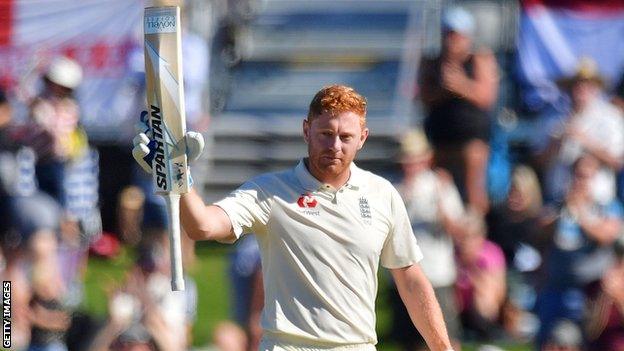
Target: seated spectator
605	323
14	268
565	336
515	223
49	315
435	208
230	337
481	282
594	126
516	227
122	331
148	306
580	250
458	89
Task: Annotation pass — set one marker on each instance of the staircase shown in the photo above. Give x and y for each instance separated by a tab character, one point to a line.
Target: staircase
290	51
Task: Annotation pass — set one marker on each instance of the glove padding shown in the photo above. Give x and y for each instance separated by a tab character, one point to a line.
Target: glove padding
144	146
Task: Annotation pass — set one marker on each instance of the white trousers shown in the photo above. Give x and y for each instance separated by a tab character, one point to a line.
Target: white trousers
270	345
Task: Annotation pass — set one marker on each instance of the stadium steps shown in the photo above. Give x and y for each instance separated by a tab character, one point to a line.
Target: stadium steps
242	148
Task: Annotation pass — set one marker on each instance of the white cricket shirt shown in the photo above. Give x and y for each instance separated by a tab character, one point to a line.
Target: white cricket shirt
321	249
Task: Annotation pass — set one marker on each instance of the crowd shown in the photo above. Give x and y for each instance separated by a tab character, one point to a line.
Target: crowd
545	265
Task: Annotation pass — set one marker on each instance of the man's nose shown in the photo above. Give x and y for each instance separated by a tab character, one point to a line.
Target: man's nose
335	143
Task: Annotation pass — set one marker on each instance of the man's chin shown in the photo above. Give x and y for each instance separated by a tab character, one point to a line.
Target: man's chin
333	168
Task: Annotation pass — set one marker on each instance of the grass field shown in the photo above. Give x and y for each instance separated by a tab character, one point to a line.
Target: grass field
210	274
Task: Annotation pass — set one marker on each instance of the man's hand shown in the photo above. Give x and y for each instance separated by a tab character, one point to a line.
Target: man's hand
144	146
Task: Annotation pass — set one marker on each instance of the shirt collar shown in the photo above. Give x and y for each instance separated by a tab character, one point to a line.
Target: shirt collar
356	178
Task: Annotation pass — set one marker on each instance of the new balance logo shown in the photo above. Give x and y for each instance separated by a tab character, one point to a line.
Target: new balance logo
306	201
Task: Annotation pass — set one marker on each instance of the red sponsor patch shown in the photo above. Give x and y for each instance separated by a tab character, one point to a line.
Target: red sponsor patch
306	201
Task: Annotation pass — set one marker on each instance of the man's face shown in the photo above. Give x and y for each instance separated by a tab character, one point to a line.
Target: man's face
457	44
583	93
333	143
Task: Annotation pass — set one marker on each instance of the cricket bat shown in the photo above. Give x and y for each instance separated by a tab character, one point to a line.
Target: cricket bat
165	99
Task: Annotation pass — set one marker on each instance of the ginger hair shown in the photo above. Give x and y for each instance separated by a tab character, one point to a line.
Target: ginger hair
337	99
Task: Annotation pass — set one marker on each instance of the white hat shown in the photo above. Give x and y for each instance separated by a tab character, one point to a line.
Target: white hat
65	72
458	20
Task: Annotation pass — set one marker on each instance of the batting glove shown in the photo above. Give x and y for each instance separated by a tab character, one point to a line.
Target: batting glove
144	146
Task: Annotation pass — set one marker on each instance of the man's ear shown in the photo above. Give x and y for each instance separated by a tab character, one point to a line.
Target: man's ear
363	137
306	130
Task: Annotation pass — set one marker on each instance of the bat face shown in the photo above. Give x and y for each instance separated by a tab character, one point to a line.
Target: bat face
165	97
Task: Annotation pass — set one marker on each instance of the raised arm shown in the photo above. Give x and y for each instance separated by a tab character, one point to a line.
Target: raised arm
201	222
422	306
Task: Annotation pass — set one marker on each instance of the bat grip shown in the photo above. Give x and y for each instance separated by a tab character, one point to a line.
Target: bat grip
173	211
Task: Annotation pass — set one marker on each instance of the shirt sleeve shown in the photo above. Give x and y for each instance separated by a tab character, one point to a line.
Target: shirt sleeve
400	248
248	209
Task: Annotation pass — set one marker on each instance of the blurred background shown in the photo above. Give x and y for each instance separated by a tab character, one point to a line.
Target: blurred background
500	122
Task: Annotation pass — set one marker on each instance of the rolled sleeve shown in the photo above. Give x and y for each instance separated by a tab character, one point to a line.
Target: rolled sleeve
247	207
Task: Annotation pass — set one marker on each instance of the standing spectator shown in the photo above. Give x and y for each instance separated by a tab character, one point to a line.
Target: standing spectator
55	132
248	292
434	208
594	126
458	89
481	282
580	251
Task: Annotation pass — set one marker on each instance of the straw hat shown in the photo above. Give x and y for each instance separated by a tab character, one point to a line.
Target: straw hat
586	71
414	145
65	72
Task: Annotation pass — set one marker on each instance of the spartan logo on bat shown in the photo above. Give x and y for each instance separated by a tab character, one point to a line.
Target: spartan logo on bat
159	157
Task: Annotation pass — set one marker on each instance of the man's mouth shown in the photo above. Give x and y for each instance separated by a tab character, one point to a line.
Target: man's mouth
331	158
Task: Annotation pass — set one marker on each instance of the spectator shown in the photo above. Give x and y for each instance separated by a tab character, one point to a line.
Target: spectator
516	224
55	134
435	208
481	282
580	251
121	332
15	269
145	312
50	316
516	227
458	89
605	323
594	126
248	292
565	336
130	209
230	337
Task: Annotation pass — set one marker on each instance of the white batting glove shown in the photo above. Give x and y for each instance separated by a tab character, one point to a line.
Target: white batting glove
144	146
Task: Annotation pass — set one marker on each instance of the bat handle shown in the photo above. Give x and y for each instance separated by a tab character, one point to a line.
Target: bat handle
173	211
